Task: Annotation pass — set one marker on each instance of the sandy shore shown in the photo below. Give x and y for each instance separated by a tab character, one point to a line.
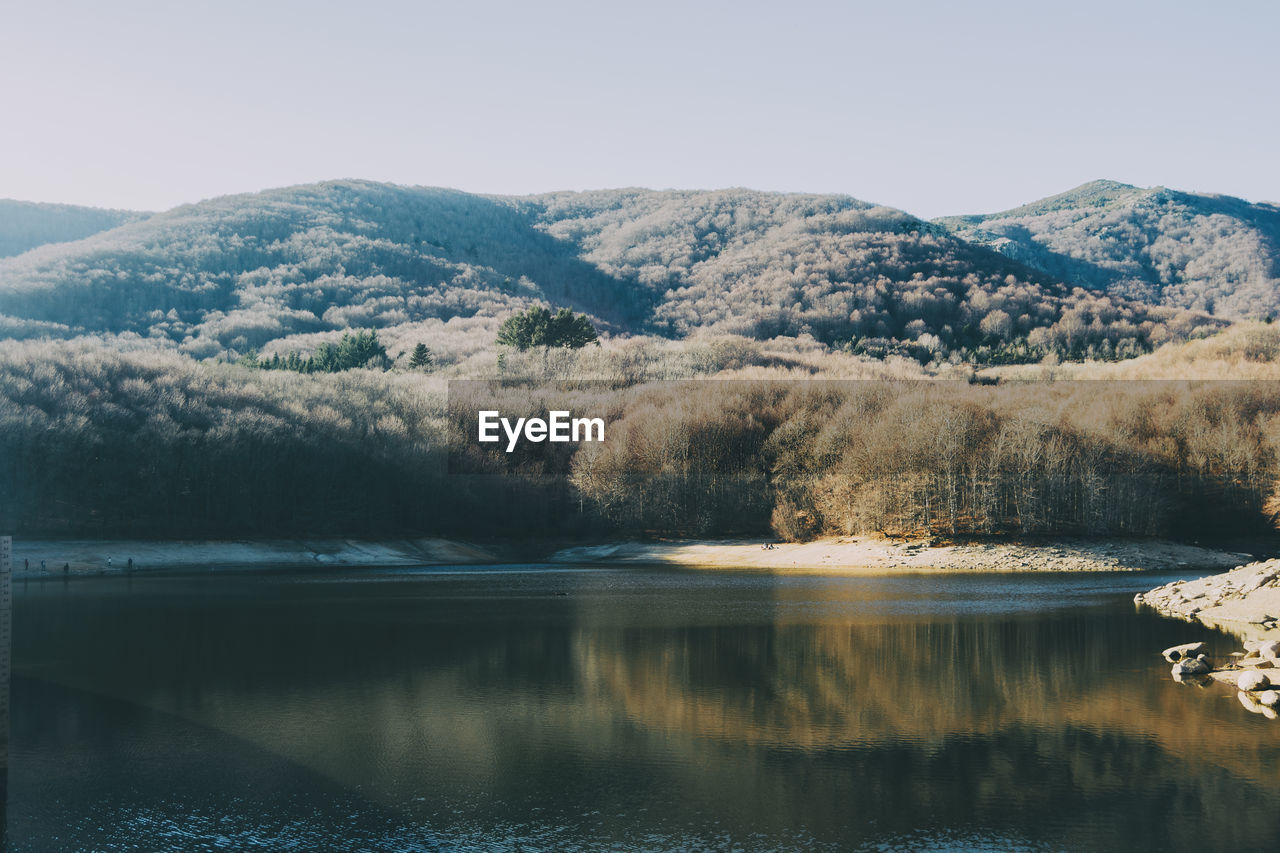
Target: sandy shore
1244	601
873	556
846	555
111	556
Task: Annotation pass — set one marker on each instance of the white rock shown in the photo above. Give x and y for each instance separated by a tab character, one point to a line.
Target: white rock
1253	680
1270	649
1190	666
1186	650
1269	697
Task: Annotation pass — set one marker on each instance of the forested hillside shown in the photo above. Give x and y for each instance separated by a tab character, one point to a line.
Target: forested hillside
847	272
121	412
270	271
25	225
239	272
96	439
1210	253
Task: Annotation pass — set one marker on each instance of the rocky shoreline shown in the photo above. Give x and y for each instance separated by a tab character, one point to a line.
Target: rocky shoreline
1252	672
1245	602
846	555
34	558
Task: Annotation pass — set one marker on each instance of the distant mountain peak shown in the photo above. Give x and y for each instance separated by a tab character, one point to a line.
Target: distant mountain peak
25	225
1094	194
1211	253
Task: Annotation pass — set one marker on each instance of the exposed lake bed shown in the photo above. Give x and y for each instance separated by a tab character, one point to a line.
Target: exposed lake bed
570	707
855	555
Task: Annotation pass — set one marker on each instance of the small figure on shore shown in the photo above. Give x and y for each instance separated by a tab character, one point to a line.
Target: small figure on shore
66	567
42	567
26	565
131	564
108	562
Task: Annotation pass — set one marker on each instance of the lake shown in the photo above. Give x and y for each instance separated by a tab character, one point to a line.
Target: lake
626	709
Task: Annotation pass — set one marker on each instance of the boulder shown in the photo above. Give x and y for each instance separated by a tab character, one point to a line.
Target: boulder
1186	650
1190	666
1269	649
1270	698
1253	680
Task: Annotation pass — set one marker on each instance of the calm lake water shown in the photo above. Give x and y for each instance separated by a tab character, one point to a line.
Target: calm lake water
622	709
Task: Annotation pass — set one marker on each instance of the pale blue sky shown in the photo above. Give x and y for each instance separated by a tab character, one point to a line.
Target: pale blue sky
934	107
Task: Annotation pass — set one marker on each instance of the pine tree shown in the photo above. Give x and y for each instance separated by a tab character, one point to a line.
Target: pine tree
538	327
421	357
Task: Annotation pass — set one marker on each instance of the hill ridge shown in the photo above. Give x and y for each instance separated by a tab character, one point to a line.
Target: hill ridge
274	269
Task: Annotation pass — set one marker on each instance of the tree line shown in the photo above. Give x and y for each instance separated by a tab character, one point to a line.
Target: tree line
99	441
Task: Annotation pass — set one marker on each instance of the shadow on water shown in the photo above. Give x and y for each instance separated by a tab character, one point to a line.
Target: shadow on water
95	772
641	710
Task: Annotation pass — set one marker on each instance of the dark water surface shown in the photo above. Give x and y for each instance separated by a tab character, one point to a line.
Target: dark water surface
632	709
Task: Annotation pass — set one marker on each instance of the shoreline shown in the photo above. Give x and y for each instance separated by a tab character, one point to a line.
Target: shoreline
1244	601
870	556
858	556
91	557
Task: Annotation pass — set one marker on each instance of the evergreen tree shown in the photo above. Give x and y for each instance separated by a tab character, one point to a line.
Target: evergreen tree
363	349
538	327
421	357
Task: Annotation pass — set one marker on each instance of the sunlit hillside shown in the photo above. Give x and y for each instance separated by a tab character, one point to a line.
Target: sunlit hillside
1210	253
1246	350
283	269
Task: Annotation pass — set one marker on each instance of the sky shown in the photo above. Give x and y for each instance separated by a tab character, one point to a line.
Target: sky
933	107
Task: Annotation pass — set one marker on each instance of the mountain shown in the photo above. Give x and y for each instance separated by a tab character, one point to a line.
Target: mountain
1210	253
25	225
253	271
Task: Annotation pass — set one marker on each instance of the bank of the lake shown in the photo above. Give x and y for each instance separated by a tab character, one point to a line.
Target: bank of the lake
1244	601
869	556
37	557
865	556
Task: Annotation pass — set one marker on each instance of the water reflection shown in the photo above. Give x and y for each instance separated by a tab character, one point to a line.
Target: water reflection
647	710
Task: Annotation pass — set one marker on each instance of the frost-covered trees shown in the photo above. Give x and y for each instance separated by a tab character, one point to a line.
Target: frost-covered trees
266	271
1208	253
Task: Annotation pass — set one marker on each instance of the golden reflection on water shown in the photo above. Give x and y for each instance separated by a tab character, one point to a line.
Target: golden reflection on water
426	702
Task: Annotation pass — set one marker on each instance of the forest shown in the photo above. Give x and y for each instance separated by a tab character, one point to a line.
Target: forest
25	225
1210	253
308	360
285	270
106	441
